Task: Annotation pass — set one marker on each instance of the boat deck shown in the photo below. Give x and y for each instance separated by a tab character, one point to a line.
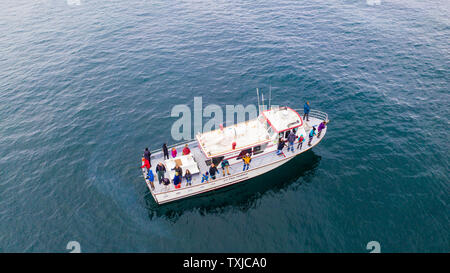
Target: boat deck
236	165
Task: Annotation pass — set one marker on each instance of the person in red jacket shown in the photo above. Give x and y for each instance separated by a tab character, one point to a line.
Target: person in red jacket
301	139
186	150
145	163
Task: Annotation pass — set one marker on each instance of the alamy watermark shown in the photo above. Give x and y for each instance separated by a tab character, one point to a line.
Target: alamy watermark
182	128
374	247
74	247
73	2
373	2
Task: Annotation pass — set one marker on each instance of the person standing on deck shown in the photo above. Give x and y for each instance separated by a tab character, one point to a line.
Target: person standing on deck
306	110
147	156
188	177
312	133
160	170
145	164
151	178
247	159
177	181
205	177
174	152
301	139
178	171
212	171
186	150
165	151
321	127
225	165
280	146
287	133
291	139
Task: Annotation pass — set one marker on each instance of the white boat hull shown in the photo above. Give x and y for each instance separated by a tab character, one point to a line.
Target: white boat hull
220	182
261	164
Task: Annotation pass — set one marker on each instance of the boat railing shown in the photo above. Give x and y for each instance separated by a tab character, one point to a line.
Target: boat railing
318	114
315	114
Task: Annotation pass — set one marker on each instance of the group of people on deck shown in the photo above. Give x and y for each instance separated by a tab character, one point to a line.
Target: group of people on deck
178	177
161	169
288	137
225	164
174	152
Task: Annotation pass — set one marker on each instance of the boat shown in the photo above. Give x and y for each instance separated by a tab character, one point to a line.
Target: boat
258	137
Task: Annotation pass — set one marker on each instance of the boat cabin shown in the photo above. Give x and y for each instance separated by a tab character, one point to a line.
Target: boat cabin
249	136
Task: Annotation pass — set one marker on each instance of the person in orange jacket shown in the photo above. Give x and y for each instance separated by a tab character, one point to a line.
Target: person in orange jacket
247	159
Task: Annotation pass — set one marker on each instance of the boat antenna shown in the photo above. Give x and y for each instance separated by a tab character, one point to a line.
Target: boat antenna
257	94
262	101
270	95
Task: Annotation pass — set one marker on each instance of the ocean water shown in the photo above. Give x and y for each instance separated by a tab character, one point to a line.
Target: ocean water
85	88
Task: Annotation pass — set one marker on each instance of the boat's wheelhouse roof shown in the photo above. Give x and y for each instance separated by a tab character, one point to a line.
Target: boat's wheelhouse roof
283	118
245	134
249	133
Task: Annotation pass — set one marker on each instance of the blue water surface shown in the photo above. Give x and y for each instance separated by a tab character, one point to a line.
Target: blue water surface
85	88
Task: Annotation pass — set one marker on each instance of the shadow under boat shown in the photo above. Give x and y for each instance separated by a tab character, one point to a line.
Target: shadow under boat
242	195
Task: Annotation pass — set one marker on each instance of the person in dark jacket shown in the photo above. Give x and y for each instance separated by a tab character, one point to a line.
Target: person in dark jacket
165	151
306	110
287	133
188	177
160	170
166	181
280	146
291	139
147	156
212	171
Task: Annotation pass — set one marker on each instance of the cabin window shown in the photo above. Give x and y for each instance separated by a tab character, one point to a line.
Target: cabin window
270	131
208	162
257	150
217	160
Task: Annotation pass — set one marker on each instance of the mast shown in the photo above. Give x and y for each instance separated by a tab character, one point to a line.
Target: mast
270	95
257	94
262	101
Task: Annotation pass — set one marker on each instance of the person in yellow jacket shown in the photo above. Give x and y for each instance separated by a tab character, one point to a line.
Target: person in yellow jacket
247	159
